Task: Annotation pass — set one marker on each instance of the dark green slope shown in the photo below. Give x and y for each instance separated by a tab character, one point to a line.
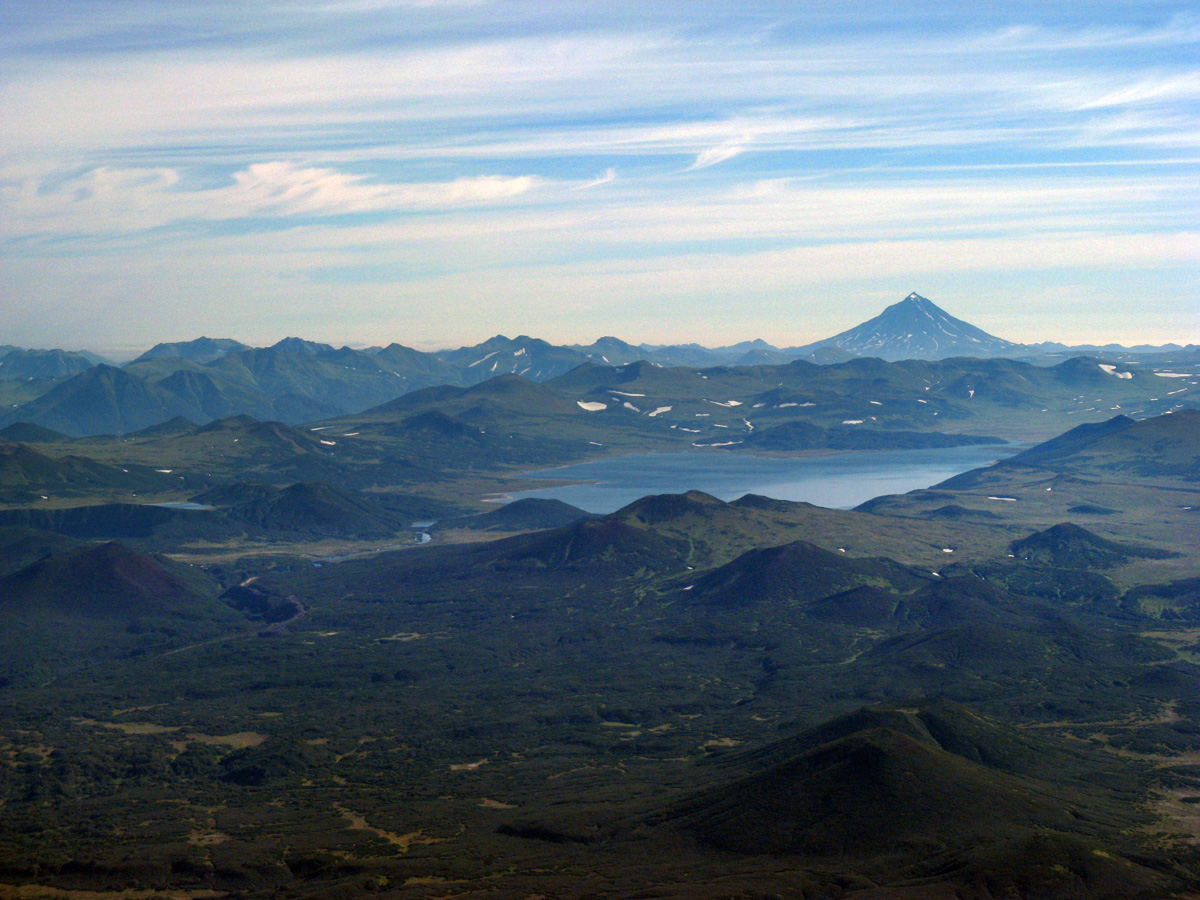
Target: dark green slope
527	514
124	521
171	428
1008	652
797	573
928	793
505	421
294	380
1175	601
241	448
953	727
1069	546
76	607
100	400
936	604
605	545
718	532
316	508
106	581
21	546
1164	446
246	445
28	433
26	474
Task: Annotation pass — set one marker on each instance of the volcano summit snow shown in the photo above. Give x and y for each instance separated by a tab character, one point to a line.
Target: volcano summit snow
916	328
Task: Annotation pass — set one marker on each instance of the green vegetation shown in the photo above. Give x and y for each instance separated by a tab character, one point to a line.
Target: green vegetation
721	699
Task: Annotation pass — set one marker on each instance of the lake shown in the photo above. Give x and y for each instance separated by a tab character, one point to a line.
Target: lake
840	481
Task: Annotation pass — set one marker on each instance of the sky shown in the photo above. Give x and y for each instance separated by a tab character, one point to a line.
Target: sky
434	172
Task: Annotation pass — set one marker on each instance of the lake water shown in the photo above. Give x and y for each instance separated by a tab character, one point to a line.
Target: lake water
839	481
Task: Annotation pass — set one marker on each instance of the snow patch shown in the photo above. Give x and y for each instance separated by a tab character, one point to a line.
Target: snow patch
852	421
485	359
660	411
1112	370
591	405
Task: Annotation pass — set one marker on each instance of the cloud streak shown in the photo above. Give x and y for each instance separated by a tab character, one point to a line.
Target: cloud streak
404	144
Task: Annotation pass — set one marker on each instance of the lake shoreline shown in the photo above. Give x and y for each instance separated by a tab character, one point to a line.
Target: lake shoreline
837	479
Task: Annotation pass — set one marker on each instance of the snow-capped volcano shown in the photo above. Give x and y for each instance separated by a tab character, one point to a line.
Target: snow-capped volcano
916	328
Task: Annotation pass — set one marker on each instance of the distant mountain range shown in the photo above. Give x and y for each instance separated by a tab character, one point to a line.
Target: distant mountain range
296	380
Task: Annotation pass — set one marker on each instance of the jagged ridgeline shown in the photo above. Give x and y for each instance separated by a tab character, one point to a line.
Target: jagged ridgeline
297	381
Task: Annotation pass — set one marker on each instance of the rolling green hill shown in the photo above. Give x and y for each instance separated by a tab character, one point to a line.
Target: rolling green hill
77	607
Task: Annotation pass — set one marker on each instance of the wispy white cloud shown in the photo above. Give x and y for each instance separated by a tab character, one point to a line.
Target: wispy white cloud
123	200
735	136
716	155
609	176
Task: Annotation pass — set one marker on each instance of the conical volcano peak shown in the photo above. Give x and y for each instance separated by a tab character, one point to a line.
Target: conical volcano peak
916	301
916	328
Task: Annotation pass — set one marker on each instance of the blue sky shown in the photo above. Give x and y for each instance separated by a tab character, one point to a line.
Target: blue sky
437	171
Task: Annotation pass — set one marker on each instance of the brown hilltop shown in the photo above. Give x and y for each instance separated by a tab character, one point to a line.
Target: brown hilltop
102	580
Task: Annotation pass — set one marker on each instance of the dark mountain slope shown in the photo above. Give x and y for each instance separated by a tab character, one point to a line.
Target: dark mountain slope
123	521
718	532
21	546
100	400
1163	446
911	782
604	544
28	433
939	603
200	350
26	472
416	369
797	573
76	607
22	365
1071	547
105	581
315	508
527	514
